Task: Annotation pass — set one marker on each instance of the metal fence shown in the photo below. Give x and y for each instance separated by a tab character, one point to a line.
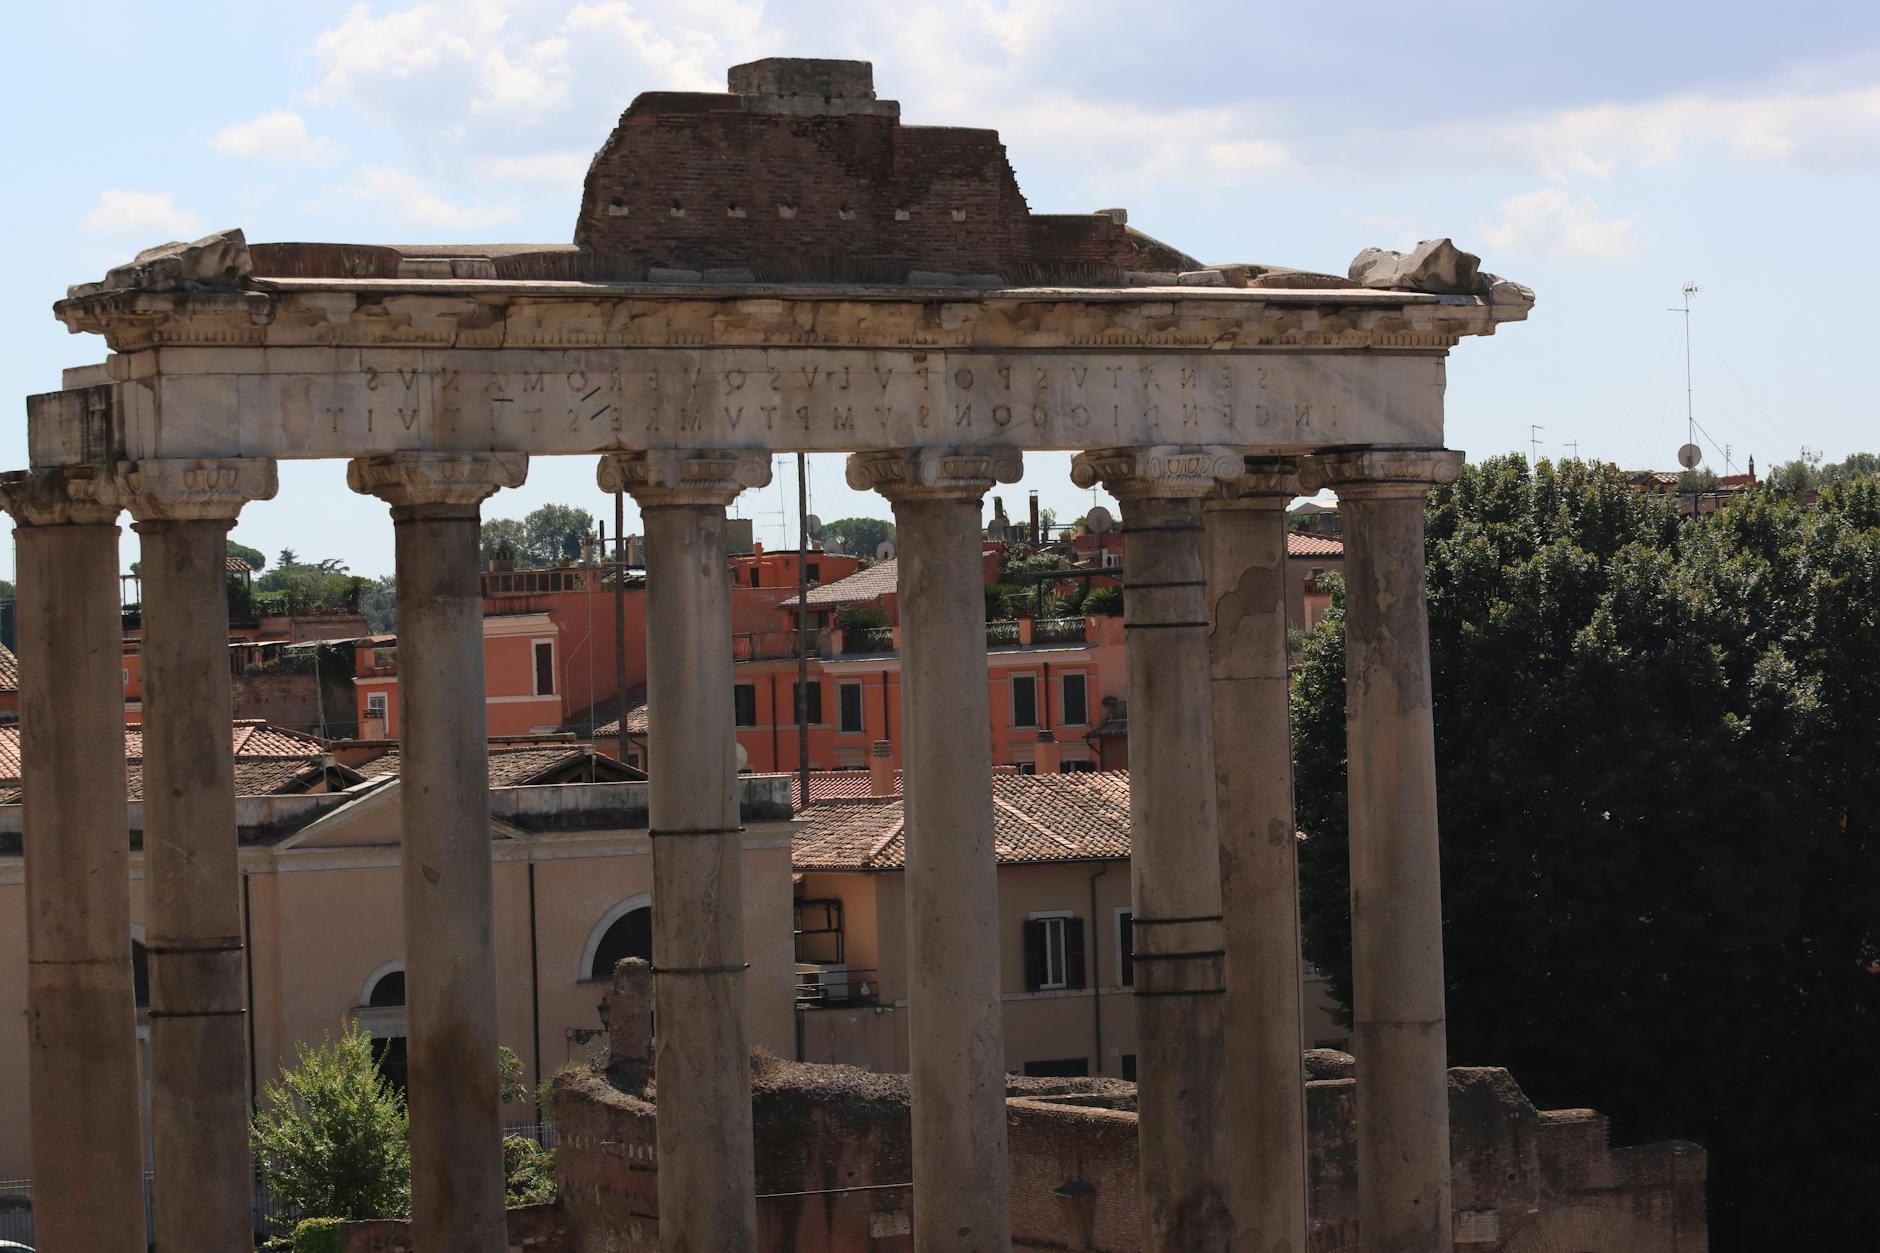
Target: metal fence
273	1217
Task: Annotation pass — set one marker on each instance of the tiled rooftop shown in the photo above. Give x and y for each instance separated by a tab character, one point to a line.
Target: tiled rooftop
1301	545
512	767
830	785
877	580
9	670
249	738
1036	818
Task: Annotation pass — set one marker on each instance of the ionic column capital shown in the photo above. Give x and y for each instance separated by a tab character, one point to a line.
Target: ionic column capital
189	490
933	473
451	480
1160	472
1381	473
1264	483
61	496
665	476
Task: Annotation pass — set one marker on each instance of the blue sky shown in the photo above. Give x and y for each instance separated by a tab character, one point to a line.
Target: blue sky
1602	153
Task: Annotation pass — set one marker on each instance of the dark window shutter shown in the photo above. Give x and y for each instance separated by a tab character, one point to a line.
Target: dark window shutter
1073	952
1126	937
1034	955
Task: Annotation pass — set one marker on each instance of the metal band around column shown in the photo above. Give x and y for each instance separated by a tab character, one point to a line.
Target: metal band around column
670	833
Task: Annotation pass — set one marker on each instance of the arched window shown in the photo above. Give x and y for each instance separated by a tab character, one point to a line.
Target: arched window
625	931
382	1015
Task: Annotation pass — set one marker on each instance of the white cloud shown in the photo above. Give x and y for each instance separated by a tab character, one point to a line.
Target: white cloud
279	136
555	168
416	205
1555	222
143	213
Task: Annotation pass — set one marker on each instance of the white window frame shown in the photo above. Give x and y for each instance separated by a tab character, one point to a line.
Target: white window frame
1064	704
535	666
1014	680
378	705
1056	964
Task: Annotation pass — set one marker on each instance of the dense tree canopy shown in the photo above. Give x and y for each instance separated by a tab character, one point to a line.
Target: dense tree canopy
1658	749
860	536
256	559
548	536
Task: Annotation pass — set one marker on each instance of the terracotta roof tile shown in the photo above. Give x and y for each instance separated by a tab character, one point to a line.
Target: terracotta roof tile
9	670
829	785
1036	818
1299	544
509	767
249	738
879	579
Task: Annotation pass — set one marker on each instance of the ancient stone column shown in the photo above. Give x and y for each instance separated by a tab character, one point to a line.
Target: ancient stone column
450	965
1175	862
1396	891
82	1064
1246	569
956	1037
198	1033
702	1049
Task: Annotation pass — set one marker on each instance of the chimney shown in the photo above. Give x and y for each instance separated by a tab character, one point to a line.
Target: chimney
1036	538
1048	757
881	781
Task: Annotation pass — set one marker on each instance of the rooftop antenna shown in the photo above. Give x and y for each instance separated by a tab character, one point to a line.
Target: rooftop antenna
1534	440
1690	410
1573	447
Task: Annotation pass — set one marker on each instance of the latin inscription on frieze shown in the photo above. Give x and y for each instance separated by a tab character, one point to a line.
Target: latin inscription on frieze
588	400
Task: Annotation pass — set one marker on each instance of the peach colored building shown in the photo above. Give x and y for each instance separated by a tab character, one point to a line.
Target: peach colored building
1065	969
323	928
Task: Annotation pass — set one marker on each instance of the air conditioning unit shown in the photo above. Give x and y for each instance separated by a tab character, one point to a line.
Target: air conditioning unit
831	983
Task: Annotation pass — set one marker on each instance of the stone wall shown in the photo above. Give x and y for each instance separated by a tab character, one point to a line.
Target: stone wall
801	173
532	1229
832	1166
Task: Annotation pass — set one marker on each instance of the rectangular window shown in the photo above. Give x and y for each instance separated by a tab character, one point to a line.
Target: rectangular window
1054	952
375	705
851	694
544	667
812	574
1024	700
1059	1068
744	704
1126	946
808	704
1129	1067
1076	700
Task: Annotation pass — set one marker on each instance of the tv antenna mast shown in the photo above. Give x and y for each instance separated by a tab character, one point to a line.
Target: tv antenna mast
1534	441
1690	455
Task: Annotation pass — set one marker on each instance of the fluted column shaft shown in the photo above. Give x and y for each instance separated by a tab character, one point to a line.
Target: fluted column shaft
1175	868
702	1051
1246	563
198	1033
956	1036
1399	1035
82	1065
453	1089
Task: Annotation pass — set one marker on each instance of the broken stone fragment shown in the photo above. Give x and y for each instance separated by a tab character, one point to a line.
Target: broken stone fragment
218	261
1149	278
1248	274
661	274
1435	265
1502	291
1201	278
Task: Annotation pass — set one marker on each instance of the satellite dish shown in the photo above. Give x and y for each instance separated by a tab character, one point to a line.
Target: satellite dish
833	545
744	759
813	525
1690	456
885	549
1099	520
995	529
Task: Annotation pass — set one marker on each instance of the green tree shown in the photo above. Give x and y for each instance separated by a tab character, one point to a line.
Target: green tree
1661	820
861	536
331	1137
554	533
378	602
499	533
256	559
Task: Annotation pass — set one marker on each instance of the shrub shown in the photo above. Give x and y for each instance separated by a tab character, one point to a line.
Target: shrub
317	1235
1104	601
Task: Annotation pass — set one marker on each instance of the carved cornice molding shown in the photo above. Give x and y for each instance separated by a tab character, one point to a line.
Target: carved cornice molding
75	496
933	473
1264	483
1380	473
210	490
456	479
1160	472
684	477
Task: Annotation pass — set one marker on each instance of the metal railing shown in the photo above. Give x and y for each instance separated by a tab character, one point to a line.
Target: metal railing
1001	634
776	645
837	985
1058	631
868	640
